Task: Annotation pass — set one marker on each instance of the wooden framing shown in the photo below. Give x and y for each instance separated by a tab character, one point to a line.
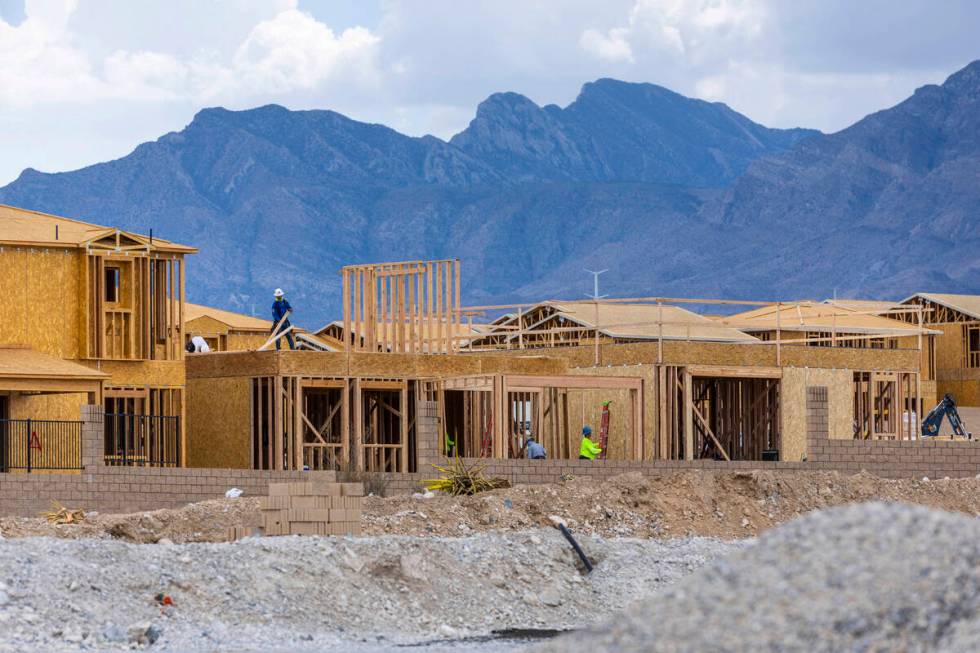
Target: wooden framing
884	403
734	418
396	307
142	318
491	415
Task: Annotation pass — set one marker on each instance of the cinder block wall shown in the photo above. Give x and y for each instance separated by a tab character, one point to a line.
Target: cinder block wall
127	489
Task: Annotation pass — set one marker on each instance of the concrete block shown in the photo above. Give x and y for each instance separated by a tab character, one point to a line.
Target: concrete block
352	489
304	528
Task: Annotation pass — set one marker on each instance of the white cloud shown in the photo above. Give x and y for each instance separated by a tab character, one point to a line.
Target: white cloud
84	81
41	63
295	51
682	29
611	46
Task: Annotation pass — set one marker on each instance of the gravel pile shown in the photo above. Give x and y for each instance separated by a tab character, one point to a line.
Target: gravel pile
874	577
292	594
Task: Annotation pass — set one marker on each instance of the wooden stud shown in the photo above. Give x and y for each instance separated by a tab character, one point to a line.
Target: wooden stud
345	291
358	427
688	417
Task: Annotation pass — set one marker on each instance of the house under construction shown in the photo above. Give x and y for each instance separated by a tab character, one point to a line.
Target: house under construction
410	374
412	380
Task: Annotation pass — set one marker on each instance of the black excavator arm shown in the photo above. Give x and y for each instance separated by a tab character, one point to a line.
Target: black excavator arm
945	408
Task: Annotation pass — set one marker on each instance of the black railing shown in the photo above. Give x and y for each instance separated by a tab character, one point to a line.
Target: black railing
40	445
142	440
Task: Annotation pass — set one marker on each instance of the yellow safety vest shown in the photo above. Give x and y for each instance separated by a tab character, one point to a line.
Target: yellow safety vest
589	449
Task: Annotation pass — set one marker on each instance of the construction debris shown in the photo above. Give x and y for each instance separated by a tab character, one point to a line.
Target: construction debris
460	479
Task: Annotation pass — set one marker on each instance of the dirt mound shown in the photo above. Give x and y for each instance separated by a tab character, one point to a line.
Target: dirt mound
873	577
207	521
715	504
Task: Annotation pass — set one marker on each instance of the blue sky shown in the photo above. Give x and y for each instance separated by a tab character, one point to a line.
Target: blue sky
83	81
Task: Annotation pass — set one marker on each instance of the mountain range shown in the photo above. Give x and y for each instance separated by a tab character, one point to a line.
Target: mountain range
675	196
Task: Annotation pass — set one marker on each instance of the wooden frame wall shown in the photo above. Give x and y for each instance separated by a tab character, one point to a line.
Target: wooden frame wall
405	307
487	415
884	403
735	418
366	426
146	321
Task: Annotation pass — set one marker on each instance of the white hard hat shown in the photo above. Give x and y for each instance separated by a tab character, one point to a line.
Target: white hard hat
278	293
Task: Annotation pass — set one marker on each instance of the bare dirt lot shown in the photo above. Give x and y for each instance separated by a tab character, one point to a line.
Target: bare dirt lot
714	504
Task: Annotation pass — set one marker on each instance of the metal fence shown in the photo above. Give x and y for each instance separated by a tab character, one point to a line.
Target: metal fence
40	445
142	440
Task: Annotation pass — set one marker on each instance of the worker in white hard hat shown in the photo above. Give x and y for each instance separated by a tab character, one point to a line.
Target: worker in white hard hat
280	309
198	345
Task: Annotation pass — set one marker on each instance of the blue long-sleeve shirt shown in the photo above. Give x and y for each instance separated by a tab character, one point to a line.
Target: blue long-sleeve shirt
535	450
280	308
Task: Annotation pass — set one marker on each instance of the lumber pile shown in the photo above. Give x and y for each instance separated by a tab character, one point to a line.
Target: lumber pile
308	508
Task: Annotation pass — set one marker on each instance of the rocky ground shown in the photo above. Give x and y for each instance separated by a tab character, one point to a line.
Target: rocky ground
322	594
725	505
874	577
443	574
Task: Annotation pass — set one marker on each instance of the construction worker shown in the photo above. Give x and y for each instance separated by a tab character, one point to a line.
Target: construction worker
198	345
450	445
589	449
534	450
280	307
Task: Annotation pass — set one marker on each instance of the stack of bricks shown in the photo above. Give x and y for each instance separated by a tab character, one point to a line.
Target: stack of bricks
308	508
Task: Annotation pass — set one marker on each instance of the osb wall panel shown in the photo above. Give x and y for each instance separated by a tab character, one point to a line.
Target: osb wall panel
949	350
585	409
232	363
646	353
677	352
522	364
205	325
59	406
929	396
623	411
141	373
852	359
965	393
217	423
246	340
42	288
840	410
959	374
364	365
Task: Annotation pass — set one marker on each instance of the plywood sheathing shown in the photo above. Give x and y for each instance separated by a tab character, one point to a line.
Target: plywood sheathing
840	397
50	406
43	285
724	354
217	417
562	324
231	320
952	315
365	365
32	228
816	317
621	447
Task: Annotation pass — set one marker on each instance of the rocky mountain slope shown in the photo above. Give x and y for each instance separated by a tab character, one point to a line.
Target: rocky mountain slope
676	196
